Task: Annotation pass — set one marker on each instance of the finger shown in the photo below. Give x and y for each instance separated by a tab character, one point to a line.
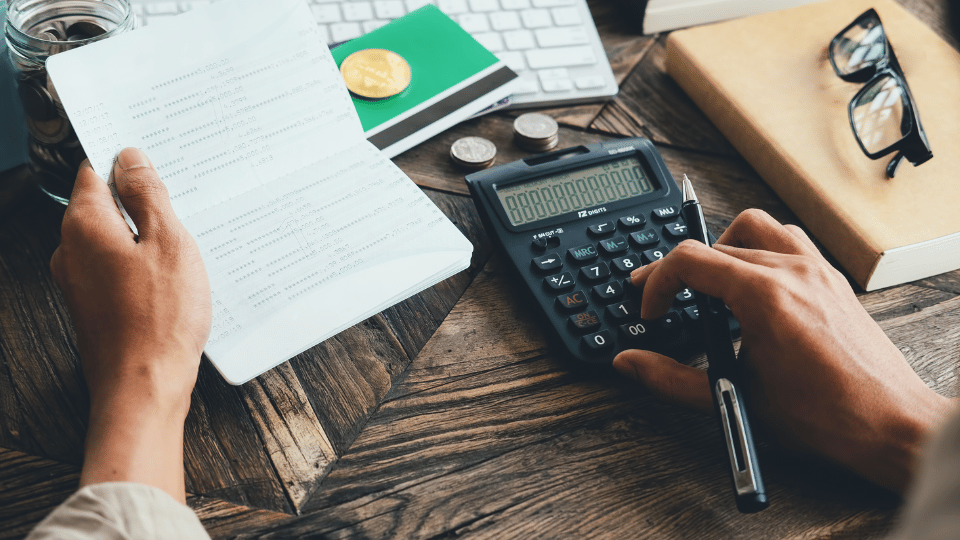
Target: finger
143	195
798	232
756	229
694	265
667	379
91	199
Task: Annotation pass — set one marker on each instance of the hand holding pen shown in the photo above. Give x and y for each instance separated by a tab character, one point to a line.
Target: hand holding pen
824	379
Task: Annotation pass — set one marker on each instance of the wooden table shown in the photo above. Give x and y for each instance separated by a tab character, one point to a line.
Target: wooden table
448	415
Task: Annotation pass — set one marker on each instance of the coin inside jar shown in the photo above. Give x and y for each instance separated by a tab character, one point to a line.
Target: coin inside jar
473	152
375	73
84	30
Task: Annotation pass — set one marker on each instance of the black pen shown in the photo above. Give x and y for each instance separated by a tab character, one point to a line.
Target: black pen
724	377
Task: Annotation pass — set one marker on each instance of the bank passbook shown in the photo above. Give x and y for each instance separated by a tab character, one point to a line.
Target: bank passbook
573	224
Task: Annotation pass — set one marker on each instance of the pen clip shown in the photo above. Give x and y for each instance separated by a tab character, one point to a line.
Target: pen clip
734	433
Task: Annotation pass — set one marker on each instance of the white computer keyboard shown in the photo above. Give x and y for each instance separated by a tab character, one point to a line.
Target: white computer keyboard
552	44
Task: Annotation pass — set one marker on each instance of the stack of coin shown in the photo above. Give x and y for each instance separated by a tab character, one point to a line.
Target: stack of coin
473	153
375	74
535	132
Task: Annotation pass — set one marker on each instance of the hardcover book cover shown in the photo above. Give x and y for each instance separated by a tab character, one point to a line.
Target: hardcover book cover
767	83
452	78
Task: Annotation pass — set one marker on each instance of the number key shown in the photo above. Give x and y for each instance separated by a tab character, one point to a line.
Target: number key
595	272
627	264
651	255
685	295
623	310
608	292
636	332
598	342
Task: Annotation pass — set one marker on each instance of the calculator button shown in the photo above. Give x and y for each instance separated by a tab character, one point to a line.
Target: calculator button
560	282
636	332
627	264
602	229
615	245
671	321
685	295
595	272
665	213
608	292
651	255
548	263
632	222
691	314
623	310
646	237
588	321
539	244
573	301
599	342
583	254
675	231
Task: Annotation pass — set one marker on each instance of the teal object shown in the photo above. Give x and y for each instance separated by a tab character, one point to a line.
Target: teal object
13	130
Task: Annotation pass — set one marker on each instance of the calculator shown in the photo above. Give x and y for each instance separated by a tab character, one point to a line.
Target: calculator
573	224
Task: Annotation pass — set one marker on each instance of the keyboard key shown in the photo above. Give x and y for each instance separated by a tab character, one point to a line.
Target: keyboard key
474	22
691	314
490	41
675	231
627	309
326	13
413	5
561	56
504	20
536	18
452	7
513	59
589	82
566	16
479	6
527	85
636	332
390	9
324	33
548	263
588	321
515	5
602	229
685	295
583	254
632	222
357	11
627	264
599	342
555	73
614	246
519	40
560	37
552	3
595	272
560	282
574	301
557	85
187	6
161	8
370	26
665	213
646	237
345	31
655	254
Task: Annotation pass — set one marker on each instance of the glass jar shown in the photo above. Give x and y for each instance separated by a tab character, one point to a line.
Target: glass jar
34	31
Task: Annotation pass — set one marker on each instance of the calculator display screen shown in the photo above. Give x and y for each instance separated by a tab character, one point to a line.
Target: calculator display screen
544	198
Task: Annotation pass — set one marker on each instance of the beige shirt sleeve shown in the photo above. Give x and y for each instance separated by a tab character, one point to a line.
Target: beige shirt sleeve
120	510
933	503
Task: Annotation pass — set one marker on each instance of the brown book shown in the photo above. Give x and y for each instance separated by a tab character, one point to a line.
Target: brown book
767	83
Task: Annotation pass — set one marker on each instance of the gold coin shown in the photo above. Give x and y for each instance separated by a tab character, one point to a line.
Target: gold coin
375	73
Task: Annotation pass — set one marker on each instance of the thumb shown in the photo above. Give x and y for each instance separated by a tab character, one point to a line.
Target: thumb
142	193
667	379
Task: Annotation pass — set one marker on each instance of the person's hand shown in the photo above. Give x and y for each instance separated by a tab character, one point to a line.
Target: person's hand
822	376
140	306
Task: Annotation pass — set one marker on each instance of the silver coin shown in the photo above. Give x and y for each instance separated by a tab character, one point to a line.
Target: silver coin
49	131
473	150
535	126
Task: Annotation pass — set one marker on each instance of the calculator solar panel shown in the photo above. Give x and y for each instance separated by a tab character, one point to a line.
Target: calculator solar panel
573	224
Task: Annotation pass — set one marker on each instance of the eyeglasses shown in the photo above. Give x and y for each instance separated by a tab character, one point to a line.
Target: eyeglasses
883	114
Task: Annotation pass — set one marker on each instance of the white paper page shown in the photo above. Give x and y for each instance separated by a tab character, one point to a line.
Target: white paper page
305	228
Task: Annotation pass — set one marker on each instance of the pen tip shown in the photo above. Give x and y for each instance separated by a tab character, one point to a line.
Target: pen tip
688	194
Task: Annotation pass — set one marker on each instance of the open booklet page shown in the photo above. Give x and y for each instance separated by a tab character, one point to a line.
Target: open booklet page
304	226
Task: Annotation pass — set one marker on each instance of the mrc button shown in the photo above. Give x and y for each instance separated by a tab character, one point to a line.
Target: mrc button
584	253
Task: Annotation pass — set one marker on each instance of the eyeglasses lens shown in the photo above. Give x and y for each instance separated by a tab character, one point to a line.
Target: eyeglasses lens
881	114
859	47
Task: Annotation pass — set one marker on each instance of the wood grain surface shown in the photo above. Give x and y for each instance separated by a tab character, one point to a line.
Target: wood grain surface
449	415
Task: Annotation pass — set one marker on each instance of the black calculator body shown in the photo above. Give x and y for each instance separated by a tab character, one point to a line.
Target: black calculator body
573	224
